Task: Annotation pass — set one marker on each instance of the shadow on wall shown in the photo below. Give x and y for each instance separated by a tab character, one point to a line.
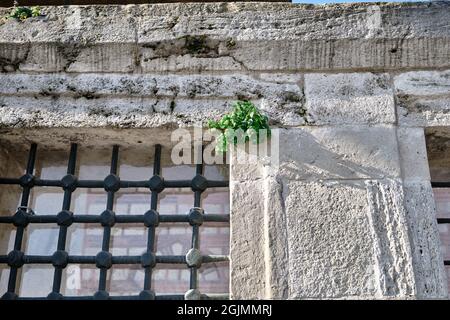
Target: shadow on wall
338	153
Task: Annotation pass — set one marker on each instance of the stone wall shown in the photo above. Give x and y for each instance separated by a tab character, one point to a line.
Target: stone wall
349	212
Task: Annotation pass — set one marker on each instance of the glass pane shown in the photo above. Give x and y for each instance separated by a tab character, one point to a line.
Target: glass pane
175	201
80	280
215	238
442	200
125	280
173	239
214	277
36	280
46	200
170	279
41	239
128	240
88	201
4	276
216	201
132	201
84	239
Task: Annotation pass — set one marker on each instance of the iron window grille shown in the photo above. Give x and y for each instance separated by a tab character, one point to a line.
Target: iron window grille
442	220
104	260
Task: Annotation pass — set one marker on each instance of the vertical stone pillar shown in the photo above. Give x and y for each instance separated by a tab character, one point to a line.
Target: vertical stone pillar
429	271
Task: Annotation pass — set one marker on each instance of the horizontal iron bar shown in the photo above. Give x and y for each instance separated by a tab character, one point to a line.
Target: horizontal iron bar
9	181
165	259
209	296
439	184
215	258
447	262
99	184
443	220
87	218
215	296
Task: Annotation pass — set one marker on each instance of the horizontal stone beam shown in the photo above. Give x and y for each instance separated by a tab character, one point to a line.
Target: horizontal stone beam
191	37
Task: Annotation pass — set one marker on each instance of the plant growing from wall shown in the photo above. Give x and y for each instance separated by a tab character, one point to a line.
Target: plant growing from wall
23	13
244	116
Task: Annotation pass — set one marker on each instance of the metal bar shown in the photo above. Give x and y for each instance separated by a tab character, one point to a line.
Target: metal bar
20	230
9	181
98	184
215	258
81	259
218	184
216	296
177	184
107	229
34	259
151	232
170	297
165	259
443	220
171	259
62	237
92	184
133	184
440	184
8	219
193	283
138	218
209	296
48	183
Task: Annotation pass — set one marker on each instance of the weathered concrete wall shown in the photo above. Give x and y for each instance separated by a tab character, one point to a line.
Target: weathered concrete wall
349	212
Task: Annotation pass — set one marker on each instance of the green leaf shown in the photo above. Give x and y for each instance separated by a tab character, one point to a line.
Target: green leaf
244	116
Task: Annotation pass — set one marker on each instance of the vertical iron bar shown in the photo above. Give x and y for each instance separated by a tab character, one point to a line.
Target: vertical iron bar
151	229
57	276
20	230
196	231
107	229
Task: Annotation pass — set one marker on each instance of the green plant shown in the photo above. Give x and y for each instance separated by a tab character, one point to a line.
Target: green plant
23	13
244	116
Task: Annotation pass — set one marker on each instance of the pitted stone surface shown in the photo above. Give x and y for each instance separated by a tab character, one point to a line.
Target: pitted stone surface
423	112
349	98
329	241
247	36
420	83
413	154
428	268
139	100
247	258
350	238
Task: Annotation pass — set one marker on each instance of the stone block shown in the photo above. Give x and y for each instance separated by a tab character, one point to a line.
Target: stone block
423	112
413	154
180	97
423	83
347	152
247	261
341	242
349	98
429	271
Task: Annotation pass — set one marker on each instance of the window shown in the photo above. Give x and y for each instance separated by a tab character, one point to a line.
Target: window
112	224
438	149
